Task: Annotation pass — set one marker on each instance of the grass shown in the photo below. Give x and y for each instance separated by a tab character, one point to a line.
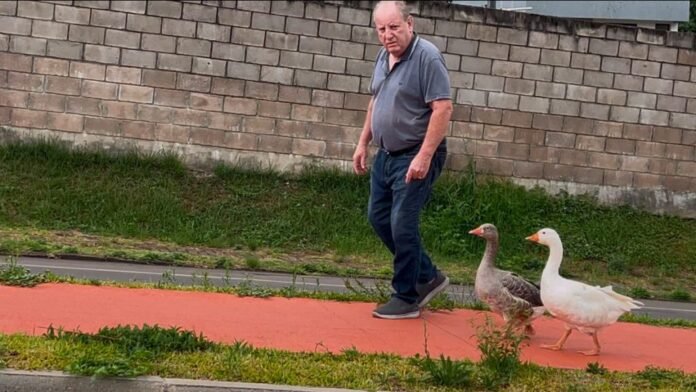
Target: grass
129	351
149	207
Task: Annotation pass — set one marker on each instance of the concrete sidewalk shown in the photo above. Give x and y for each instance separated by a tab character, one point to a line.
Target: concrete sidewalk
23	381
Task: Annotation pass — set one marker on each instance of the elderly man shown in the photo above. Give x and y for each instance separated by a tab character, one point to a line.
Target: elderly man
407	119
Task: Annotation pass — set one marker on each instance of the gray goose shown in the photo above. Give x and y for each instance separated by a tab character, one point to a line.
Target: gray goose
509	295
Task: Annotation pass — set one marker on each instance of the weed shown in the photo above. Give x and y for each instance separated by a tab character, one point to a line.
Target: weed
658	377
126	351
252	262
97	364
679	294
223	263
168	278
500	354
449	373
639	292
246	288
595	368
381	290
13	274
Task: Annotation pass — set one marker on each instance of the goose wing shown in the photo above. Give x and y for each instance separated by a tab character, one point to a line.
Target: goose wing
522	288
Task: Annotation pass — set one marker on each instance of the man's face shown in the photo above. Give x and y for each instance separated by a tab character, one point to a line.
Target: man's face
393	31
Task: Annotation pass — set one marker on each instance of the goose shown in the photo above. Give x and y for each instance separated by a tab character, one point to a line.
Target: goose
582	307
507	294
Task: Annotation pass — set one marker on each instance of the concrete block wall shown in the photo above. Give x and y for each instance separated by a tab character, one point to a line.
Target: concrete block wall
541	100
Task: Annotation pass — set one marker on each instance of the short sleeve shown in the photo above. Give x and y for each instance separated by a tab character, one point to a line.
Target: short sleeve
435	81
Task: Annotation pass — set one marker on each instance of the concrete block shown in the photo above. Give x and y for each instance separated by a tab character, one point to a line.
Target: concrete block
616	65
595	111
234	17
550	90
555	57
462	46
208	66
86	34
246	71
685	89
677	72
507	69
179	28
654	117
301	26
566	108
48	66
538	72
354	16
670	103
574	43
585	61
624	114
476	65
28	45
471	97
102	54
503	100
534	104
72	15
315	45
277	74
226	86
481	32
525	55
633	50
321	11
213	32
110	19
193	47
642	100
604	47
568	75
645	68
134	6
598	79
582	93
493	50
519	86
167	9
628	82
35	10
143	24
199	13
46	29
687	57
138	58
512	36
662	54
544	40
611	97
282	41
123	39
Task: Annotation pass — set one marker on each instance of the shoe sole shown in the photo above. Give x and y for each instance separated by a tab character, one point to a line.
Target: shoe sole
411	315
437	290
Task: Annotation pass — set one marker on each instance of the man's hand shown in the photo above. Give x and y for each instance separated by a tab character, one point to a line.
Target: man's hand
360	160
419	168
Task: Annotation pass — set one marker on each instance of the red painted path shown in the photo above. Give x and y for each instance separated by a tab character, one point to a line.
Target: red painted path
314	325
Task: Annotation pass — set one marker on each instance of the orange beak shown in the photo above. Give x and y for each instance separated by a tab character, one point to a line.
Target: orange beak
534	237
477	231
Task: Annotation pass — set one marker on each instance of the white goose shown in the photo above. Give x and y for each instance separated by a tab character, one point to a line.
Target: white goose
583	307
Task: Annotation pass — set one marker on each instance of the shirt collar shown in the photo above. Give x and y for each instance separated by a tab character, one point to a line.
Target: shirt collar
408	52
411	47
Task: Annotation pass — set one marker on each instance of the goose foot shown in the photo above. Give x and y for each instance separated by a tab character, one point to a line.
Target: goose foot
554	347
560	343
590	353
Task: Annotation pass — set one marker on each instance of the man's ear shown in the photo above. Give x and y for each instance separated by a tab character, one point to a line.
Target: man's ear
410	21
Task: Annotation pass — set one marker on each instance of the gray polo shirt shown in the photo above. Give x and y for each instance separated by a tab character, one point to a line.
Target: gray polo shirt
400	111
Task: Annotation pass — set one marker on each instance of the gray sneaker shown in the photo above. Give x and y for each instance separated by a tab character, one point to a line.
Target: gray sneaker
428	291
397	309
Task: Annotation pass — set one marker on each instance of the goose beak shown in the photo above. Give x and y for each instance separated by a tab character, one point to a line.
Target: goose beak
534	237
477	231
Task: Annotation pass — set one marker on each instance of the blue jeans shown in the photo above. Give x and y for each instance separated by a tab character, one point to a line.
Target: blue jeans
394	213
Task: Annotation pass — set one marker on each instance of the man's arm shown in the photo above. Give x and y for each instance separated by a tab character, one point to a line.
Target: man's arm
437	130
360	154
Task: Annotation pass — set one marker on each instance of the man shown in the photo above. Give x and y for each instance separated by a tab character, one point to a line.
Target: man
407	118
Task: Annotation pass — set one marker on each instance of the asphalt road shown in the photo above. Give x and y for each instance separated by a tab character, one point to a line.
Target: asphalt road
131	272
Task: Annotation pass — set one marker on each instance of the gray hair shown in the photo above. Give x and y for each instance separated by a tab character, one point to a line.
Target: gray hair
400	5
